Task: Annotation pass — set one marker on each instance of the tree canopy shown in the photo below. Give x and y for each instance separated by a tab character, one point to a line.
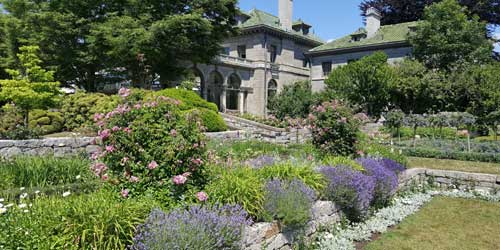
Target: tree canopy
399	11
448	38
80	38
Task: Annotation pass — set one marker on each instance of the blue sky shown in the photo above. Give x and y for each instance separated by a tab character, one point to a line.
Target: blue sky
330	19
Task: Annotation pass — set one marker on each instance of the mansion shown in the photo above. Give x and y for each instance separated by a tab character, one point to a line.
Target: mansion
271	52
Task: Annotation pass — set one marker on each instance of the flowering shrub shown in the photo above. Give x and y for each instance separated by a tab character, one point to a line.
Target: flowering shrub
334	129
150	147
217	227
386	180
289	202
350	189
261	161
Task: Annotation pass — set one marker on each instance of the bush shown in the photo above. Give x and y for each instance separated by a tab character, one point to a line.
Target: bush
407	132
48	122
380	151
452	155
289	172
199	227
334	129
293	101
40	172
344	161
350	189
93	221
79	109
151	148
212	121
11	125
386	181
188	98
240	186
289	202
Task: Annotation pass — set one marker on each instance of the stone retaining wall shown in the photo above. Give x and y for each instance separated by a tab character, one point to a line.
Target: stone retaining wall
270	236
449	179
52	146
267	133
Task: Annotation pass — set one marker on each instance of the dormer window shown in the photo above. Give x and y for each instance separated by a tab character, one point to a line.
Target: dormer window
301	27
357	37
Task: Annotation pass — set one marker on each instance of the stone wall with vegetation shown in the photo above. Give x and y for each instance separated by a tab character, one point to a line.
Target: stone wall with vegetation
51	146
267	235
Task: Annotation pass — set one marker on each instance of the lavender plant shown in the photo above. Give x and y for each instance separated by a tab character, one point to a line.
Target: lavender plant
351	190
199	227
392	165
289	202
386	180
261	161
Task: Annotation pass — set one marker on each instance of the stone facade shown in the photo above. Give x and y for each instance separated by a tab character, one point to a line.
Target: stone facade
53	146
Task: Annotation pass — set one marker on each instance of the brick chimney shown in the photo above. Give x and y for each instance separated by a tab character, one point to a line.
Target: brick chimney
286	14
373	18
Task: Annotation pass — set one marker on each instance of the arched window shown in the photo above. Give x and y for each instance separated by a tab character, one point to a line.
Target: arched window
214	88
272	89
232	91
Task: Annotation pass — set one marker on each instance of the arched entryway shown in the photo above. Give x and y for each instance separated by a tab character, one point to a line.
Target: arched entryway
232	92
215	88
272	89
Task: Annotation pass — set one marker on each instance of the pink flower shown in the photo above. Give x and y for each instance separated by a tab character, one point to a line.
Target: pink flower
124	92
195	145
173	133
153	165
202	196
105	177
115	129
94	156
187	174
134	179
124	161
127	130
110	148
179	180
98	117
99	168
138	106
360	152
197	161
124	193
104	134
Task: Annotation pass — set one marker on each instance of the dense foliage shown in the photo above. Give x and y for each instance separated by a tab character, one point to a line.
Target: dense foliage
83	38
334	129
198	227
293	101
150	148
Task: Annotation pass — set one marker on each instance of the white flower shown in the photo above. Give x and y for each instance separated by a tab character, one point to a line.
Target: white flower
2	200
23	188
22	205
3	210
26	211
37	191
1	205
78	177
10	205
23	196
66	194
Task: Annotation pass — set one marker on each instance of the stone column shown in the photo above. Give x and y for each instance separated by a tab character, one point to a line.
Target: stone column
241	102
223	99
204	93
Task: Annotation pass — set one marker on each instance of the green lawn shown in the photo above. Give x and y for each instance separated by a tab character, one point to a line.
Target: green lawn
464	166
446	224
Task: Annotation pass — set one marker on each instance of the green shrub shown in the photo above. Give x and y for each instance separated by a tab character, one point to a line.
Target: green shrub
48	121
381	151
334	129
452	155
40	172
342	161
212	121
288	171
407	132
293	101
240	186
79	109
189	99
151	149
92	221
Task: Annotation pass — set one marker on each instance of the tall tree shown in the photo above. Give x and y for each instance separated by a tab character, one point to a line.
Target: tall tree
448	38
399	11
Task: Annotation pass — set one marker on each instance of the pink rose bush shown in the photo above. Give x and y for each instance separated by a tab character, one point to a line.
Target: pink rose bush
150	147
334	129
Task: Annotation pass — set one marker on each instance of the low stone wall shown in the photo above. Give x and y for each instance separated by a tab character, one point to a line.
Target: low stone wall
267	133
270	236
52	146
449	179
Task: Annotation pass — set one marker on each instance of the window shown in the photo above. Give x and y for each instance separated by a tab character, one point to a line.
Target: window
273	52
272	89
327	68
305	63
242	51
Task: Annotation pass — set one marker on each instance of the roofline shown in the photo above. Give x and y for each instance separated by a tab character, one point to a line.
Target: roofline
282	32
378	46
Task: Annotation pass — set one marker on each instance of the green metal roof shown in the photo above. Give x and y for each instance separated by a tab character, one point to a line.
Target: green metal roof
258	17
386	34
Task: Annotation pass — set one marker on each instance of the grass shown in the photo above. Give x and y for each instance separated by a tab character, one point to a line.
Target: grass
463	166
446	224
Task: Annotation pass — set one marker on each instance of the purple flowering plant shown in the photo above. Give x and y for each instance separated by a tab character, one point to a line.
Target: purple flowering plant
352	190
198	227
146	146
386	180
289	202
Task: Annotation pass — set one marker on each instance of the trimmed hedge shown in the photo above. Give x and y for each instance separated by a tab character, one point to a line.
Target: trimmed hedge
452	155
212	121
48	121
189	99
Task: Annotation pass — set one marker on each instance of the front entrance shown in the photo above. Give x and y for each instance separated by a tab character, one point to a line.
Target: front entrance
215	89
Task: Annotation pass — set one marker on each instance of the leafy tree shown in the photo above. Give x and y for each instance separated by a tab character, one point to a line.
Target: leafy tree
418	90
31	87
400	11
493	121
293	101
449	38
365	83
